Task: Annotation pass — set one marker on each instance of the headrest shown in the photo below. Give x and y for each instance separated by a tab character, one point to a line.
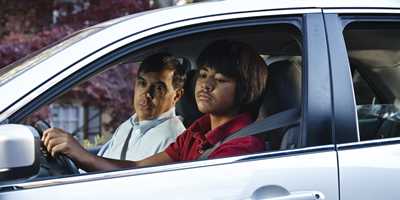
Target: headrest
283	86
186	106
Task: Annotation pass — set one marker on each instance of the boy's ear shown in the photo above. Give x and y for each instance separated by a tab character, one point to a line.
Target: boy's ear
178	94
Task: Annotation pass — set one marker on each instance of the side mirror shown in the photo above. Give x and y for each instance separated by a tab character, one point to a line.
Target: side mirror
19	152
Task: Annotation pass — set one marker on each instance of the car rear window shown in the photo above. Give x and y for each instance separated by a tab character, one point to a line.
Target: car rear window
374	55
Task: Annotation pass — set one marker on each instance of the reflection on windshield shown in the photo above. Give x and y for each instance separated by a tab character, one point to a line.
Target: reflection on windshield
16	68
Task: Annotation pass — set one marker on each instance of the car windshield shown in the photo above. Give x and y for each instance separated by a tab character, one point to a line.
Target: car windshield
9	72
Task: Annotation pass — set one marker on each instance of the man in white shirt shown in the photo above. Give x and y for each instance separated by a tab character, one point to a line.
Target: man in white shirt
150	130
143	138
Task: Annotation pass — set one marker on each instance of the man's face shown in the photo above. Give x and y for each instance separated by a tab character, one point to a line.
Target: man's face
154	94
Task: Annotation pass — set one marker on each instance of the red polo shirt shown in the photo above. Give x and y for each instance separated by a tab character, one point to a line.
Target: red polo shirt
191	143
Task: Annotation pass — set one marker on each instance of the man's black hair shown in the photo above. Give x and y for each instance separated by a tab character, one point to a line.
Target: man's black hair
160	61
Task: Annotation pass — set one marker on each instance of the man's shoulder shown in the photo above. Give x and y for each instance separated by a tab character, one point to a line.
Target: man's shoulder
172	125
124	126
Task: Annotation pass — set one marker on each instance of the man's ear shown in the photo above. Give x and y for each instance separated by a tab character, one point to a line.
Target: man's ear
178	94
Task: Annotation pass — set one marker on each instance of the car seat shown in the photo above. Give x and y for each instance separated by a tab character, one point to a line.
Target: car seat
283	93
186	106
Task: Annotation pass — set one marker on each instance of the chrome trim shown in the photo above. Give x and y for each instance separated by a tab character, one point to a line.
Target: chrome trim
70	70
4	170
361	11
375	142
171	167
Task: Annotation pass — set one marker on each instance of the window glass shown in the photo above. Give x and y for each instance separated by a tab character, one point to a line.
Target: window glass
94	120
94	110
374	54
67	117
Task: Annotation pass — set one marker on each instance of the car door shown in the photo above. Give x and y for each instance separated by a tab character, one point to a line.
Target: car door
307	171
363	51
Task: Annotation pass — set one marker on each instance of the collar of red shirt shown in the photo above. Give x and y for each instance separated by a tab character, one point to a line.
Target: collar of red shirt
201	128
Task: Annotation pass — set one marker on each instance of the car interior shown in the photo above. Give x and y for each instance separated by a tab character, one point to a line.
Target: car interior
279	45
376	73
281	48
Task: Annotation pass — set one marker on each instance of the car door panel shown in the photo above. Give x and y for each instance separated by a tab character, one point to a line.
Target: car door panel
367	169
370	172
305	173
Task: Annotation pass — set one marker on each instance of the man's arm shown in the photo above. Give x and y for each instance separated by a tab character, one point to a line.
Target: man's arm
58	141
96	163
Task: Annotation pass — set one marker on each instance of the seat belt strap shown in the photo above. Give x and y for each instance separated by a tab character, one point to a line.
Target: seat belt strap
126	144
279	120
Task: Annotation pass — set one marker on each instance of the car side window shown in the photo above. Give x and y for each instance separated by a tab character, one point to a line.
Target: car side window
374	60
92	110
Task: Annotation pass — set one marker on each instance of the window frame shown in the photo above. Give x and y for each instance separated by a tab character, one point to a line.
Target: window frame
346	131
316	103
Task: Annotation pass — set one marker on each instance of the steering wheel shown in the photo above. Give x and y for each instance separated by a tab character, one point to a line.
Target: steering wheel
49	165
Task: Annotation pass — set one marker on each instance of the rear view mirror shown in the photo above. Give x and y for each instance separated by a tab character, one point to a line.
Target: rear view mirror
19	152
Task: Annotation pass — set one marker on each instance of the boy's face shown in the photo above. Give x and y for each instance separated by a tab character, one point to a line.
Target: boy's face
215	92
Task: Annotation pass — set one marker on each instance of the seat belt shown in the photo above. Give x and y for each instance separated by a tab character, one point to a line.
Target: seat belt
279	120
126	143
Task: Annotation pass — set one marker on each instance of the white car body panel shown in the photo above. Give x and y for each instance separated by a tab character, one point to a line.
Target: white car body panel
295	173
370	172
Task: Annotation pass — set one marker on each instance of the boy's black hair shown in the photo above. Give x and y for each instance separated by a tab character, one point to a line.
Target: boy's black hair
242	63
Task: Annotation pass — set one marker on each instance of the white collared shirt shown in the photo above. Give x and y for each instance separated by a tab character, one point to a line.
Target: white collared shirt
148	136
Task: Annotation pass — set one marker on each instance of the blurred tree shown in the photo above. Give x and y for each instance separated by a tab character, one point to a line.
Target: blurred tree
30	25
27	26
24	17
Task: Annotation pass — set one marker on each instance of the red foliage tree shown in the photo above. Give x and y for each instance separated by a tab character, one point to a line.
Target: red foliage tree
31	25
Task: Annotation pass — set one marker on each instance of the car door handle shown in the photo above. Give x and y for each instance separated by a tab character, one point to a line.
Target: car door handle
307	195
275	192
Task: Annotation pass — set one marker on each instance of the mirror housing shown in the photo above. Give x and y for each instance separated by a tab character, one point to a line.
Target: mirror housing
19	152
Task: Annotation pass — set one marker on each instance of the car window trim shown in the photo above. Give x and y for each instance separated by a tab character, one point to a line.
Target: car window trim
23	100
316	105
337	23
361	10
167	168
348	19
345	126
369	143
102	63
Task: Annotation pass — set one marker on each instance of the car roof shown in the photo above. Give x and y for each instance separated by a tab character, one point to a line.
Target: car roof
140	21
236	6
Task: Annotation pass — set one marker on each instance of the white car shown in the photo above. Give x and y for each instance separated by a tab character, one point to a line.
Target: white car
334	64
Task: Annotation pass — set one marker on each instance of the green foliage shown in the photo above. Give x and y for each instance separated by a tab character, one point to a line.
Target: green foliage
98	141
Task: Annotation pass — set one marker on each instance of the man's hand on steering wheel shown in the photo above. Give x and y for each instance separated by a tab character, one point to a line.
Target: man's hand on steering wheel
58	142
